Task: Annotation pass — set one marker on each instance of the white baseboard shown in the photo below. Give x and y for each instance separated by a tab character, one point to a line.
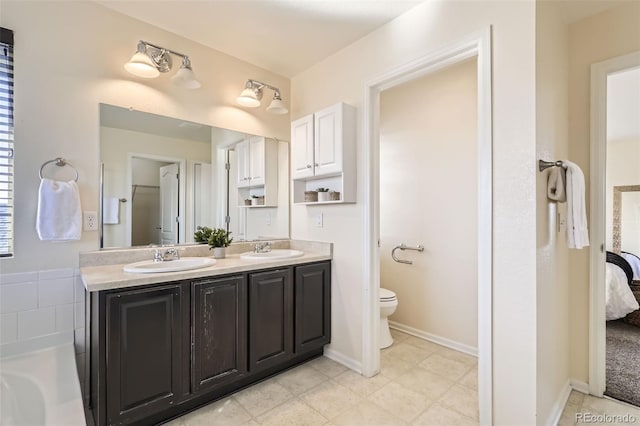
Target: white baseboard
461	347
558	406
341	358
580	386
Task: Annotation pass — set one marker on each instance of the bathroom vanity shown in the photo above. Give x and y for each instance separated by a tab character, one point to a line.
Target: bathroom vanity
165	343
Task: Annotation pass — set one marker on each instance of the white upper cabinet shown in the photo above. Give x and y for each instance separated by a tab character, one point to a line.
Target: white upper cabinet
323	153
257	163
319	142
251	161
256	160
244	173
328	141
302	147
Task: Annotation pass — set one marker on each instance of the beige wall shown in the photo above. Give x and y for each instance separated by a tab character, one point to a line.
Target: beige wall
595	39
69	57
342	77
428	195
552	64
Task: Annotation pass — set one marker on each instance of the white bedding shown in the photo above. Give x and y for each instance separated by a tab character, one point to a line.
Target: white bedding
620	298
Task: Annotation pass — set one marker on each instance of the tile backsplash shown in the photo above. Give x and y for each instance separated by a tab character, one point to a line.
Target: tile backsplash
34	304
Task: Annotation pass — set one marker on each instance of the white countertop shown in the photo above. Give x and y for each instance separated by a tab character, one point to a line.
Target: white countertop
109	277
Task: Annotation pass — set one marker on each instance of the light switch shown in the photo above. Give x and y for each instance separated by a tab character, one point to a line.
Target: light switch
319	220
267	219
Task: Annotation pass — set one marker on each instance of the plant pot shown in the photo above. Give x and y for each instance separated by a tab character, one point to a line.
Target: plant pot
254	201
219	252
323	196
310	196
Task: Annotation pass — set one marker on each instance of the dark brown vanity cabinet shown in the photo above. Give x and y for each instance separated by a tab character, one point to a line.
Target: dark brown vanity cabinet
145	352
312	306
161	350
270	318
219	340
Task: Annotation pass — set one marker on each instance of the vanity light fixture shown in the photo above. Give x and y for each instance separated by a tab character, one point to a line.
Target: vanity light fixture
252	94
151	60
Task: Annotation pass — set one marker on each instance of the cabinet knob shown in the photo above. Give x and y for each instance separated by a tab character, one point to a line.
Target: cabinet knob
308	166
317	165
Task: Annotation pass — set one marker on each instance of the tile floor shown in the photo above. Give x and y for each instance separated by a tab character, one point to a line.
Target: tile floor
581	409
421	383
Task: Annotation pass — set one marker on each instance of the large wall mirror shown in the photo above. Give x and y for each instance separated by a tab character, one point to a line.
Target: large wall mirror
626	219
162	177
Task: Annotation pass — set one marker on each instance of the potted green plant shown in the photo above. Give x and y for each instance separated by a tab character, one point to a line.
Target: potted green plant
202	234
219	240
323	194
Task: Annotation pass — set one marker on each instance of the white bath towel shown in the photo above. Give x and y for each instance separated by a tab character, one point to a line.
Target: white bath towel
577	231
59	216
556	185
111	211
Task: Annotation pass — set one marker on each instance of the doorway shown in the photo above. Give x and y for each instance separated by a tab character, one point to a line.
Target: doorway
428	239
155	214
614	140
477	46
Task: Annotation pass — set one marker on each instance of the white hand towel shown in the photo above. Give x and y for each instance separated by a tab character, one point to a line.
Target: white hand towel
556	185
577	232
59	216
111	211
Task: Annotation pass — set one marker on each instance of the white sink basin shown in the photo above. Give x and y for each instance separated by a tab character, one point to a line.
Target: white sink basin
275	254
182	264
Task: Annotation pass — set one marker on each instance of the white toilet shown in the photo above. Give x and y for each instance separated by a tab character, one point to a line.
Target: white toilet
388	305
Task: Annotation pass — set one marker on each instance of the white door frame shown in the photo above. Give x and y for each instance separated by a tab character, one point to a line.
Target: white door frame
597	258
477	45
182	188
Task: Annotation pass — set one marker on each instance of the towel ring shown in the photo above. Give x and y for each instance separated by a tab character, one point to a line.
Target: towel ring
60	162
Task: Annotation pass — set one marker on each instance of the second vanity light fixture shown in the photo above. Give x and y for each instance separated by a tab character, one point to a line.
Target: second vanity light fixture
150	60
252	94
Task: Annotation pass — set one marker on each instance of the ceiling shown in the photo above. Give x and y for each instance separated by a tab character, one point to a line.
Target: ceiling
282	36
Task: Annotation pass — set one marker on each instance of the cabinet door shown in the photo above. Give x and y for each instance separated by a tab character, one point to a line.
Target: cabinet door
144	352
328	141
270	318
257	160
302	147
313	306
218	324
242	156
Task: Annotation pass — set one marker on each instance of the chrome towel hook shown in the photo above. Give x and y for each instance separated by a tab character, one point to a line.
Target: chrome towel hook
403	247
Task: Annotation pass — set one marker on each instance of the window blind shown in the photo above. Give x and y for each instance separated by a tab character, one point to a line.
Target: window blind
6	142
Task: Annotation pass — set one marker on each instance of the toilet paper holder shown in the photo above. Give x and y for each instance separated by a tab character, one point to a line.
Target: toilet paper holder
403	247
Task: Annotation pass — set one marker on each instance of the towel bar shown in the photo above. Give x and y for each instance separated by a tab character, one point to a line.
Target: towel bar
403	247
543	165
60	162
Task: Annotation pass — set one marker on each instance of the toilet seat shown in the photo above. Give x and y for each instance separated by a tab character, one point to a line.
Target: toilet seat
387	295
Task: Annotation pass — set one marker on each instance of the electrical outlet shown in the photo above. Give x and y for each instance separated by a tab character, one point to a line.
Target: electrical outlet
319	220
90	221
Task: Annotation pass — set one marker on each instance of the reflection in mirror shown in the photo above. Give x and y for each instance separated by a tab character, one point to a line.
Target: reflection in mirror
162	177
626	219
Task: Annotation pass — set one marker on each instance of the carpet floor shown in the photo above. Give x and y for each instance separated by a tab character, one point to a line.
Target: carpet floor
623	362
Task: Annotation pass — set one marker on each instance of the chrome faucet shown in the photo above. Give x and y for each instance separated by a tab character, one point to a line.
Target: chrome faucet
169	254
262	247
